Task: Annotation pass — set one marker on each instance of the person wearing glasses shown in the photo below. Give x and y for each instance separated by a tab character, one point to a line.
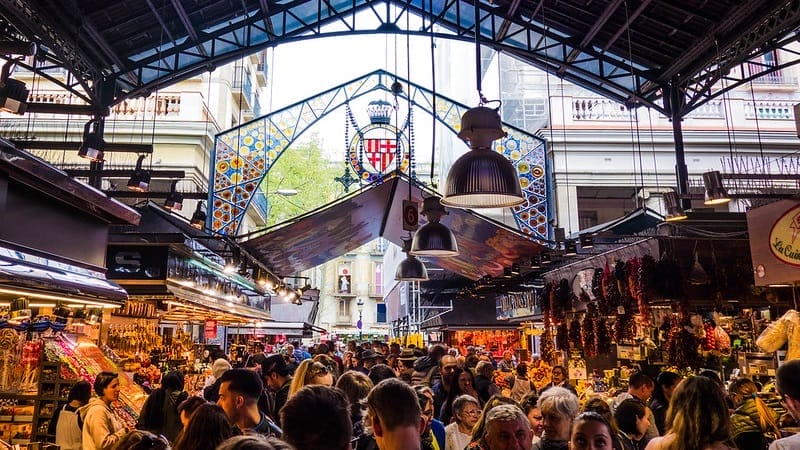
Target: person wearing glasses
788	385
466	412
310	372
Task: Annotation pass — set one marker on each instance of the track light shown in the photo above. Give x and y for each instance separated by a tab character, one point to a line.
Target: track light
515	269
570	248
507	272
536	262
587	240
13	93
716	194
174	200
140	180
546	258
672	204
198	217
93	146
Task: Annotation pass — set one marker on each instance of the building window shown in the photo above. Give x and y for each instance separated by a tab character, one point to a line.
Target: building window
377	278
381	312
344	308
765	62
587	219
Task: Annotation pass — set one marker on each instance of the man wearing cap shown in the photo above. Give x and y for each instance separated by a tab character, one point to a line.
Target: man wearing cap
277	376
407	359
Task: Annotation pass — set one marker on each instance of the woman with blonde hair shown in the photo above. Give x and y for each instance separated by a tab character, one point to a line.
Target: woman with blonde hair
697	418
752	421
310	372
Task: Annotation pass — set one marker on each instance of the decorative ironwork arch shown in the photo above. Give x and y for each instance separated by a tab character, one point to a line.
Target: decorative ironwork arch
243	155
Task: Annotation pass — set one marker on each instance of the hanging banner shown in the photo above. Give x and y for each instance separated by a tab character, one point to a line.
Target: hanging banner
774	231
211	329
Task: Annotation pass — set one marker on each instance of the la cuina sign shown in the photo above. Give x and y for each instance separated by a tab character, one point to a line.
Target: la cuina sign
774	232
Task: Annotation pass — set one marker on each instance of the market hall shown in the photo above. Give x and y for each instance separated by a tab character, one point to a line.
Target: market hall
90	289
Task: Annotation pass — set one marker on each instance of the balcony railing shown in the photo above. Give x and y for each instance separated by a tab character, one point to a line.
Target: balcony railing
769	110
599	109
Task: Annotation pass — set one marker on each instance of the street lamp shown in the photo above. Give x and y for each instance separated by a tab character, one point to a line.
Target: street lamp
359	324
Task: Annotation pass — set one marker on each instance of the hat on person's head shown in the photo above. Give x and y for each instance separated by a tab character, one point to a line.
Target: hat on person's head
275	363
407	355
370	354
219	367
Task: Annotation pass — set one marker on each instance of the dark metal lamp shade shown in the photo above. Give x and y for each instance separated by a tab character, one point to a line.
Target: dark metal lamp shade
433	238
716	194
482	178
411	269
92	148
198	217
174	200
672	203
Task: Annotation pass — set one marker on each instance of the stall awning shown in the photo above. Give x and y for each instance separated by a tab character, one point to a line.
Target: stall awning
192	303
47	281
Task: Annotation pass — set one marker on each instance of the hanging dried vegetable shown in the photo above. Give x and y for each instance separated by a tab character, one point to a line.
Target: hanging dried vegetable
548	347
589	337
710	341
622	272
563	302
597	285
562	337
575	341
610	292
643	289
602	336
625	327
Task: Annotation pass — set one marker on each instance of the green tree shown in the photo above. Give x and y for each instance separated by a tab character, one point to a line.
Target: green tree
303	169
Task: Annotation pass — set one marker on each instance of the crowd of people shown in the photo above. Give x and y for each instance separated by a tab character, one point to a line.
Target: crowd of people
388	398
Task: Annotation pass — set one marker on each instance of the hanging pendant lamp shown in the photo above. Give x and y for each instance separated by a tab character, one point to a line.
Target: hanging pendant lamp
433	238
482	177
672	203
410	269
716	194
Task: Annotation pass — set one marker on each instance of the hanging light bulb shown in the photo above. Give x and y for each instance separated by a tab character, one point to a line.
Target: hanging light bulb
433	238
93	146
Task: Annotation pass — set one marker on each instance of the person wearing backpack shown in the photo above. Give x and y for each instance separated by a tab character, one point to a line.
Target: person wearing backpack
519	382
66	423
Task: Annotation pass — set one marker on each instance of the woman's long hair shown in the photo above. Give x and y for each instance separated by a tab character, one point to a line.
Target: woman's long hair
208	427
698	415
152	416
744	389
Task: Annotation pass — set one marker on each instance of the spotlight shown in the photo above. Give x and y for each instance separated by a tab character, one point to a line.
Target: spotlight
515	269
140	180
587	240
174	200
93	145
716	194
536	262
672	203
13	93
507	272
199	217
546	258
570	248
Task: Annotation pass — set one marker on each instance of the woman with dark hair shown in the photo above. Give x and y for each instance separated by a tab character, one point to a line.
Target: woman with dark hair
142	440
207	428
160	411
697	418
591	431
101	428
463	383
66	424
666	382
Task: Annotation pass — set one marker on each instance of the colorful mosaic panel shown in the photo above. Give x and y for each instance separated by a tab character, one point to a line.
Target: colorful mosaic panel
243	155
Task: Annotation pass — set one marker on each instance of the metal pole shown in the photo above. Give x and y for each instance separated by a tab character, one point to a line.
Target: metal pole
676	101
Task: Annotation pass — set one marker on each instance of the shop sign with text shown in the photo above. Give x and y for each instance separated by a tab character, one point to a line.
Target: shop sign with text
774	232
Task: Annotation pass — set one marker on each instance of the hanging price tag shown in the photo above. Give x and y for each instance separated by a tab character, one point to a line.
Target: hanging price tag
410	215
